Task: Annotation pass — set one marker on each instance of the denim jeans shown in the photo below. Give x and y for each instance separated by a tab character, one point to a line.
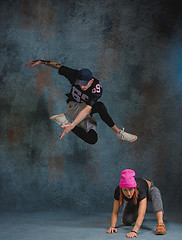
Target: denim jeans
130	211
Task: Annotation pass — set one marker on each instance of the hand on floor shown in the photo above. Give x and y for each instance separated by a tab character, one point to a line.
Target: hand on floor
131	235
112	230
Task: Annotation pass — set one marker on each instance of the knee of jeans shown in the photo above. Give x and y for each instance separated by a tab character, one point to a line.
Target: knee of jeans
93	141
93	138
128	220
154	192
100	106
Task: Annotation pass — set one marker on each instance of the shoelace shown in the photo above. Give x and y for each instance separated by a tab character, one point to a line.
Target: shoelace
160	227
122	128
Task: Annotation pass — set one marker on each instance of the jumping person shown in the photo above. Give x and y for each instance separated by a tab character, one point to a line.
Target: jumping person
133	194
82	103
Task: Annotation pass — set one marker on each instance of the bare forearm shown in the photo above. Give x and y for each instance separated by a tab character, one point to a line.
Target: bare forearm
50	63
138	223
141	214
114	219
81	115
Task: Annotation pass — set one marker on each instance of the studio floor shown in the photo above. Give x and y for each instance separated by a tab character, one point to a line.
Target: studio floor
67	225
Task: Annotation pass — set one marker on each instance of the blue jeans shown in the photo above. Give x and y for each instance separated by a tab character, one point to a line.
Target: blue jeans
130	211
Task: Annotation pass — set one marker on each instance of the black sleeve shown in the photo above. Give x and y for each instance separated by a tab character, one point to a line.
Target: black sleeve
117	193
69	73
94	99
142	188
95	95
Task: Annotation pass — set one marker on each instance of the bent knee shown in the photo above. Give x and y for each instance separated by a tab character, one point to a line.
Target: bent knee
100	106
127	223
129	220
92	142
93	137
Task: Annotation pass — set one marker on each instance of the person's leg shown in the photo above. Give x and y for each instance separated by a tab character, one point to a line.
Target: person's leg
159	216
86	130
89	137
130	213
155	196
100	108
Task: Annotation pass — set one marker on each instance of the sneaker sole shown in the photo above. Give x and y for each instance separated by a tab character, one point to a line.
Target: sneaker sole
134	139
58	115
160	233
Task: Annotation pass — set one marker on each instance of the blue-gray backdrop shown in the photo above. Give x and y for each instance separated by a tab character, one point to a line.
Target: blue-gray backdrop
135	49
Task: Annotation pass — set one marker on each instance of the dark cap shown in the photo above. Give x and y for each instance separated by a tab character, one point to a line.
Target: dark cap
84	76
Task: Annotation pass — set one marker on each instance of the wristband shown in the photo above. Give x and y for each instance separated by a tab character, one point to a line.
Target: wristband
134	231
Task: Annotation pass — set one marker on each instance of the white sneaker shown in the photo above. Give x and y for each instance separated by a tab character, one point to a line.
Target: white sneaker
127	137
60	119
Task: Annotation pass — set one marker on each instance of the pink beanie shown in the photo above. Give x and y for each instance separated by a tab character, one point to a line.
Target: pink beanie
127	179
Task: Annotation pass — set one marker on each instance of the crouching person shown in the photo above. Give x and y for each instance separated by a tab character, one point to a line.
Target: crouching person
133	194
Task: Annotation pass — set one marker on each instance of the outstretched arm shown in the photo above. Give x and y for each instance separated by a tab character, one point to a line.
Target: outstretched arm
141	214
82	114
114	217
48	63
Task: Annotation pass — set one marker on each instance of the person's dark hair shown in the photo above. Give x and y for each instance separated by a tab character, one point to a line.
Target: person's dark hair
134	198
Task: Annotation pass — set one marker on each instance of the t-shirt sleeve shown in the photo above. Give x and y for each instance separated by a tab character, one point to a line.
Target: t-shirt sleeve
93	99
69	73
117	193
96	94
143	189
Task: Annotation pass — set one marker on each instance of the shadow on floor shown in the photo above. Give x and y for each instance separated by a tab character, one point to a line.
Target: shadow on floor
62	225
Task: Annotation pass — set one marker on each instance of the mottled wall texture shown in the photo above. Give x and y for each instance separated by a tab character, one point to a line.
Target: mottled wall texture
134	47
